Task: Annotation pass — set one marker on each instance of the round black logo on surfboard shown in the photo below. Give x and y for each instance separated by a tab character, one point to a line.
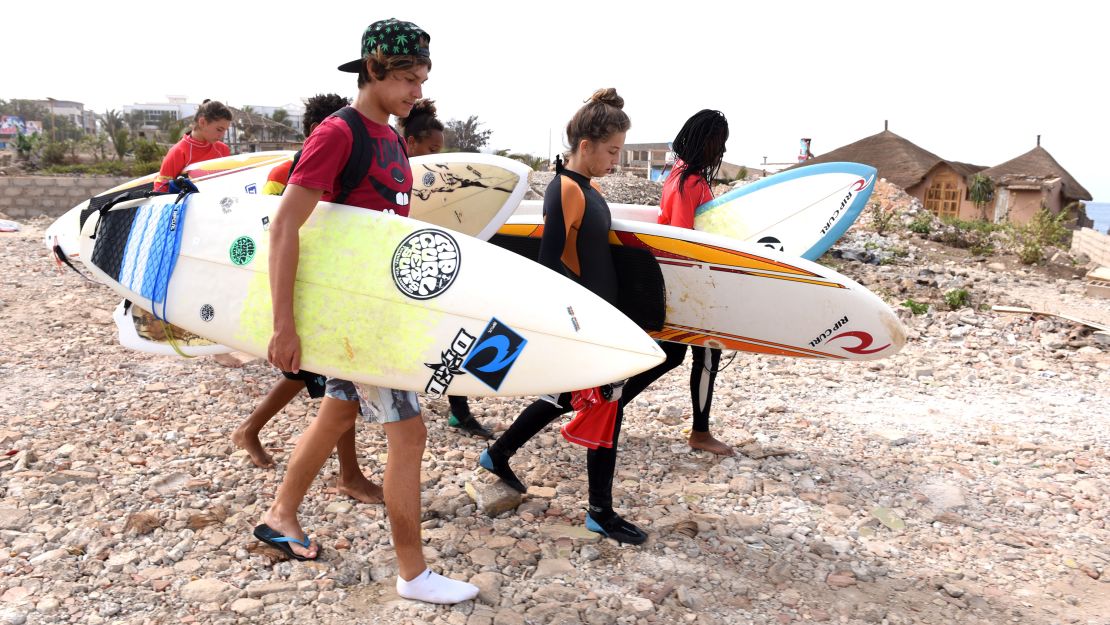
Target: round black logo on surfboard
425	263
207	312
771	242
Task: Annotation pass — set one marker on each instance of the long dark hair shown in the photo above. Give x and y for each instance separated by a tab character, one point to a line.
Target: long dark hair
421	121
701	145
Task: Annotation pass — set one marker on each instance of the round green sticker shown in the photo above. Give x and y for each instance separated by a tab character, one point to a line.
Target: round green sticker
242	250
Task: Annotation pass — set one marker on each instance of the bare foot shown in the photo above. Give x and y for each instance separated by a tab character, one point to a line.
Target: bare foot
706	442
249	442
360	489
291	527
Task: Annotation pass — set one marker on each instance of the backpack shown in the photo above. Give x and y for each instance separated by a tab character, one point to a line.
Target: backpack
362	153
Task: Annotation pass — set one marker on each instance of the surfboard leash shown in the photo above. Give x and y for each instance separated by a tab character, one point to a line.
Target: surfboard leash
60	257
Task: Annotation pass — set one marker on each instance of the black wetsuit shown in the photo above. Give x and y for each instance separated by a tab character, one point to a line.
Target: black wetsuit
575	243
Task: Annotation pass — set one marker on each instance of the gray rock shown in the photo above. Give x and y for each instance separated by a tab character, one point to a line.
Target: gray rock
493	499
207	590
170	483
943	495
13	519
247	606
637	606
953	590
553	567
692	599
489	587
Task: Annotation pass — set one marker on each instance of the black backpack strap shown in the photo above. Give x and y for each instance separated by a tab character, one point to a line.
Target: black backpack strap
296	159
362	156
362	153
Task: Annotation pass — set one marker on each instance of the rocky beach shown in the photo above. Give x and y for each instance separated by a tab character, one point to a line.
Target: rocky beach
963	480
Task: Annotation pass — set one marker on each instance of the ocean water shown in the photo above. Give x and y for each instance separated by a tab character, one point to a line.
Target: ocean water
1100	213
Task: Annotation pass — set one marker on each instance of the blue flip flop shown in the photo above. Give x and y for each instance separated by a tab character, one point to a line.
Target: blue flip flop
275	539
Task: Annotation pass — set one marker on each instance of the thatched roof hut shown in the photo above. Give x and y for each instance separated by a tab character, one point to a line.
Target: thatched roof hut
1034	166
899	160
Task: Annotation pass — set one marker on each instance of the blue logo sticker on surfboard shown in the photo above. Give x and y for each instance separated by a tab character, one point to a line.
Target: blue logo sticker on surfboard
492	357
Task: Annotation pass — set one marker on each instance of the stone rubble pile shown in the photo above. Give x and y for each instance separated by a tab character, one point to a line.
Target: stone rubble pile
963	480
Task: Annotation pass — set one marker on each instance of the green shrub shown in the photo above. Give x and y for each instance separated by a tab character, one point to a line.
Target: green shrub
54	152
1043	230
916	308
923	223
957	299
146	151
133	169
880	218
142	168
1030	252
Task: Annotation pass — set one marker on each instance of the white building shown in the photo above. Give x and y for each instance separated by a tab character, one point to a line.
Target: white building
154	112
73	111
294	110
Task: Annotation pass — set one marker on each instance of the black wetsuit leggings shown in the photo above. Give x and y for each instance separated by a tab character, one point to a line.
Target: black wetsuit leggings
703	373
601	463
460	407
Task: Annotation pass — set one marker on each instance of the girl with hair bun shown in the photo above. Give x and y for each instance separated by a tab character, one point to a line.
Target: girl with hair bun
202	143
576	243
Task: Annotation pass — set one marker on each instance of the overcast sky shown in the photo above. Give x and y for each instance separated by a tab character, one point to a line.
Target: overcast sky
971	80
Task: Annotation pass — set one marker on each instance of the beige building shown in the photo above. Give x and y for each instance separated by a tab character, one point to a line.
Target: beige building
1022	185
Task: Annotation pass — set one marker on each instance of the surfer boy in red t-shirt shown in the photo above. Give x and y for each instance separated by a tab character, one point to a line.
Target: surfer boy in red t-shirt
391	72
699	148
202	143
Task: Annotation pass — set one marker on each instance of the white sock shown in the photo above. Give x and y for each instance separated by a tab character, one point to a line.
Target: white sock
435	588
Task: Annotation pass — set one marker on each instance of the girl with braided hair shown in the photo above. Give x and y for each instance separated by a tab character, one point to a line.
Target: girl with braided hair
698	148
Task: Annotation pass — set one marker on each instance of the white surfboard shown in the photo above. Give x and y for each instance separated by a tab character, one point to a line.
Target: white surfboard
730	294
469	193
380	299
801	212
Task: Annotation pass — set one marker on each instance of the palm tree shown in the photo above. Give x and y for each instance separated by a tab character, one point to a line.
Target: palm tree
117	132
980	191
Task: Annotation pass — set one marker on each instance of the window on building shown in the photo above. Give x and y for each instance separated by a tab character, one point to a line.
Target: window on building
943	197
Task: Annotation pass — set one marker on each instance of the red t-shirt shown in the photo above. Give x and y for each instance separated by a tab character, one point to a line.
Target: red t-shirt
184	153
388	185
678	205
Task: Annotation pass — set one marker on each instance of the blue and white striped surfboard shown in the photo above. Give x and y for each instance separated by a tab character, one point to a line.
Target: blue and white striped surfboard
139	246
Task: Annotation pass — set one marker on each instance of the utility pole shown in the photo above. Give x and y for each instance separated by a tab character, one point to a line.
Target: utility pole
53	121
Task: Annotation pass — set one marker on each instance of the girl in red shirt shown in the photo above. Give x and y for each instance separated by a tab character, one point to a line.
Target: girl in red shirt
201	144
699	148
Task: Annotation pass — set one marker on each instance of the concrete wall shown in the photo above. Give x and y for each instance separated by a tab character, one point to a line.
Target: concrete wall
25	197
1092	243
